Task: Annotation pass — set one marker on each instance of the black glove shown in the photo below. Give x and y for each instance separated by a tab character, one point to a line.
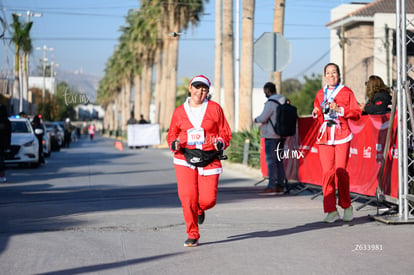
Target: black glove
219	145
174	145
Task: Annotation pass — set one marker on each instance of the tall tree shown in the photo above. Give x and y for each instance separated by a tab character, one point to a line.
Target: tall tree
161	19
218	62
22	42
246	66
303	98
180	15
278	25
27	48
228	62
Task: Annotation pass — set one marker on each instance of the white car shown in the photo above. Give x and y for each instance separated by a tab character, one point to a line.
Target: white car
24	147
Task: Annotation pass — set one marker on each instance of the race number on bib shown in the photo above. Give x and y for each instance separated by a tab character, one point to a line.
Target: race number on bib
195	136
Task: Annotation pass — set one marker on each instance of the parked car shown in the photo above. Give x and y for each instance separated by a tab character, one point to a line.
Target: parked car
47	142
56	138
61	131
24	147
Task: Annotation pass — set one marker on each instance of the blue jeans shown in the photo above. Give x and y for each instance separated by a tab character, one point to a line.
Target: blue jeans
275	166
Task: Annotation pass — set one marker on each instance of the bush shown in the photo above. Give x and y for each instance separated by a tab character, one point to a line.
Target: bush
236	148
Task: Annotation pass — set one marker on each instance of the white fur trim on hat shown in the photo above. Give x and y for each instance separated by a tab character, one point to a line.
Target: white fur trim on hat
200	79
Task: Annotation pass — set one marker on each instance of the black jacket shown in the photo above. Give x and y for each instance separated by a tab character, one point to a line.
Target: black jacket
379	104
5	128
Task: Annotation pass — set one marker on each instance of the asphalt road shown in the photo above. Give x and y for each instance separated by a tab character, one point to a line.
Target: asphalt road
93	209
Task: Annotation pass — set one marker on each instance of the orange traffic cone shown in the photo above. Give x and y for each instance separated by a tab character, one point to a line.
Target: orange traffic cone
119	145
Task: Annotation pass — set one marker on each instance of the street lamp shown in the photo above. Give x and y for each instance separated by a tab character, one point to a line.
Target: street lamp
52	68
45	49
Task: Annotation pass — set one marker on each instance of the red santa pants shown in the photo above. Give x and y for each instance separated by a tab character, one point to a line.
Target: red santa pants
197	193
334	159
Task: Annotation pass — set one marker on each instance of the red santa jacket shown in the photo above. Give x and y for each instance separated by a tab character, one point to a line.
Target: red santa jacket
214	126
334	128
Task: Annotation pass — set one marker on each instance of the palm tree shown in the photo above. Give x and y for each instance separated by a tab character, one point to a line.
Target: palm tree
27	48
246	66
161	18
108	91
174	17
278	23
124	71
144	37
22	41
228	62
218	63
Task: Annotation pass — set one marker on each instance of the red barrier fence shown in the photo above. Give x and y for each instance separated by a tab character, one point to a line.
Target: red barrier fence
301	155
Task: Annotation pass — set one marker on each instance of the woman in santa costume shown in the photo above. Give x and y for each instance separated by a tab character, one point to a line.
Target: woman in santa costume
198	133
334	105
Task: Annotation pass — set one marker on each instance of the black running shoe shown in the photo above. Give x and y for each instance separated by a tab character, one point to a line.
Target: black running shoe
201	218
191	242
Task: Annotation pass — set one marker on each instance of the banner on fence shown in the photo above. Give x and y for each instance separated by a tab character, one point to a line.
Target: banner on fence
367	147
143	134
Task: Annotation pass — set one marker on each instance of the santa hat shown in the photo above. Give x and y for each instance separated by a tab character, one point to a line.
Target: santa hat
200	79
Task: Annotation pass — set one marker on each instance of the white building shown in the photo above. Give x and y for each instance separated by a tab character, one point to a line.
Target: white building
40	82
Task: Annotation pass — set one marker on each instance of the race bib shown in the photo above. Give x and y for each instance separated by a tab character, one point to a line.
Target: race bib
195	136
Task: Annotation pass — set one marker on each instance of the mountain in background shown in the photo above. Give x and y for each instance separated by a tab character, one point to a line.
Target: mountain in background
83	83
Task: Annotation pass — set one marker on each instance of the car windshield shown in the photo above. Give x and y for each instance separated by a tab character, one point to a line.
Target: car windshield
19	127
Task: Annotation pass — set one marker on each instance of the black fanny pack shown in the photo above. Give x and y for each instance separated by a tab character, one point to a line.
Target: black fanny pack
331	123
199	158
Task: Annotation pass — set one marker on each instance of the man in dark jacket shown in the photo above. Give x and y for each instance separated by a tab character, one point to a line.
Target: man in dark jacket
37	124
5	139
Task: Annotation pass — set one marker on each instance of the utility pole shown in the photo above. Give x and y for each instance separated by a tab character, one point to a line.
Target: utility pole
44	59
237	68
278	26
387	52
343	42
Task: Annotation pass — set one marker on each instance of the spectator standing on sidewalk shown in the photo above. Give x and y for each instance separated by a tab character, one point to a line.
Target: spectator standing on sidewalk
379	97
5	139
273	141
132	120
142	120
198	133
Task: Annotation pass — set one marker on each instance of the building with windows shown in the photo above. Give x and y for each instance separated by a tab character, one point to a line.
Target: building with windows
362	41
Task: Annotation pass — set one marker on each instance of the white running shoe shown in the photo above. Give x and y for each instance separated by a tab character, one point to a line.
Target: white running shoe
348	214
332	217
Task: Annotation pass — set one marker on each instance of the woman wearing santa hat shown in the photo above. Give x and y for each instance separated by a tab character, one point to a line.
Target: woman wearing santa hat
334	105
198	134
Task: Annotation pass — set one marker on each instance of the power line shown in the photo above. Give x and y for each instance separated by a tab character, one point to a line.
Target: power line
313	64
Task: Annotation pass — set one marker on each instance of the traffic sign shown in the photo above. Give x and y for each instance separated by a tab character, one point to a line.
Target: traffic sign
272	52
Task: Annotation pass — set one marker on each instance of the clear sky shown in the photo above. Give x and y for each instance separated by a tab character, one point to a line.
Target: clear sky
84	33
